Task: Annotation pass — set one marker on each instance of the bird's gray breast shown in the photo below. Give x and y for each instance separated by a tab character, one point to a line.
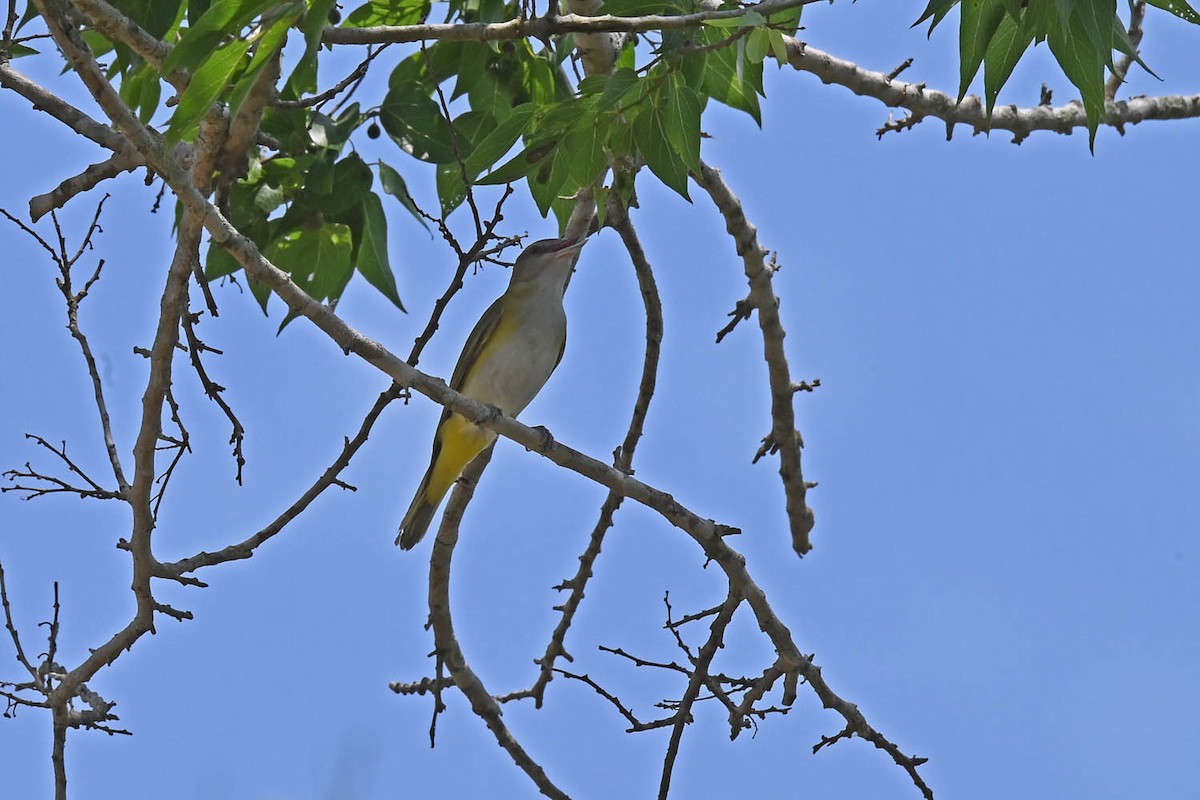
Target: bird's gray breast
523	358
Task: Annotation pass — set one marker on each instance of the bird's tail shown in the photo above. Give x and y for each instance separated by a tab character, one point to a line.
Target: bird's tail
419	515
456	444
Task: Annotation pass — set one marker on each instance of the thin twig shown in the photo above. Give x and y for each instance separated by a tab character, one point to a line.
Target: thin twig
12	631
355	76
1137	17
213	390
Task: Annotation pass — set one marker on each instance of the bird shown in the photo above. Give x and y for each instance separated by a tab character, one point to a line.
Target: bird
510	354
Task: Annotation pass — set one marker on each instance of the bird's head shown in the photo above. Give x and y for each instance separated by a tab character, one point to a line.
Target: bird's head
548	259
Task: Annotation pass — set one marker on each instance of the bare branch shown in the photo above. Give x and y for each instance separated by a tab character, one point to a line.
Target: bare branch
12	631
180	444
6	39
922	102
708	651
742	309
45	100
345	83
213	390
545	27
762	297
634	723
119	28
48	484
447	649
91	177
177	570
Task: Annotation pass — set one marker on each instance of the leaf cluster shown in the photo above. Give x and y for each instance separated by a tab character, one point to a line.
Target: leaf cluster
1081	34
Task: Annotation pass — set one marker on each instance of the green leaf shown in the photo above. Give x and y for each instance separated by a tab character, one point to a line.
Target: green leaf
778	46
472	68
270	43
541	81
317	259
450	187
726	83
1083	62
499	140
96	42
416	124
618	85
518	166
318	177
31	12
394	185
788	20
978	24
373	261
323	131
1125	45
205	87
1099	19
156	16
653	140
681	121
141	91
601	197
17	50
268	198
222	18
387	12
303	79
196	9
1179	8
1008	44
584	150
547	181
412	71
218	263
935	12
627	58
751	19
1013	7
757	46
638	8
352	180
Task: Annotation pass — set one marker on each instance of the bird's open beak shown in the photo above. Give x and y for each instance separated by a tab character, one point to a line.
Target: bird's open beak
567	246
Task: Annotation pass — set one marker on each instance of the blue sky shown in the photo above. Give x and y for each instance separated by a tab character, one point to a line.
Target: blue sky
1007	442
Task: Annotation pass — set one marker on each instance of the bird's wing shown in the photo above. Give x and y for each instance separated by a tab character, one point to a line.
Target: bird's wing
561	349
480	334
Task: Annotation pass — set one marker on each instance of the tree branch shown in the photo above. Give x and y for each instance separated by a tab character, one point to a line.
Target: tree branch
708	651
45	100
762	297
923	102
446	646
545	27
42	204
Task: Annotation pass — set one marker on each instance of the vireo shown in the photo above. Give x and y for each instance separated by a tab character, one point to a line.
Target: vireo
506	361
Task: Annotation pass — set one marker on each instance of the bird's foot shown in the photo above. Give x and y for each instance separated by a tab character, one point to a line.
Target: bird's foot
547	440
